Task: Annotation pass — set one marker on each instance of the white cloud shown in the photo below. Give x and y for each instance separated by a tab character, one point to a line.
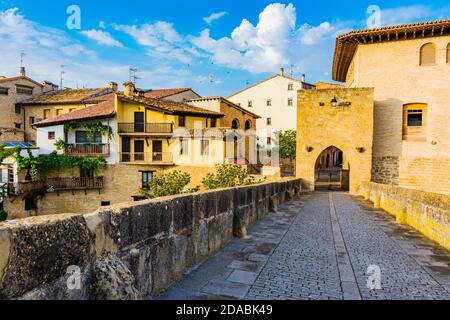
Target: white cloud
407	14
214	16
102	37
102	25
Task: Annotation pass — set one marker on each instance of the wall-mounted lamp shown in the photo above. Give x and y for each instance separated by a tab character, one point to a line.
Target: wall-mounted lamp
334	102
309	149
360	149
341	104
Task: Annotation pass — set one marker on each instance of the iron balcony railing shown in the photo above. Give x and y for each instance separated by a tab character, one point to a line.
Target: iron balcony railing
55	184
147	157
161	128
89	149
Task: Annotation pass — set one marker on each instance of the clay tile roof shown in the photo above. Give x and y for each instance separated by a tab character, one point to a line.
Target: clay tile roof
232	104
6	79
347	43
170	107
104	109
67	96
163	93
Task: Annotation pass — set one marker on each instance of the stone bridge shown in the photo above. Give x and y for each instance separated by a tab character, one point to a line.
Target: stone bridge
323	246
267	241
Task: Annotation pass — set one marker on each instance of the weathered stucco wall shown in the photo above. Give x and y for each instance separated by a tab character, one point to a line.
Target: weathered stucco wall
153	242
427	212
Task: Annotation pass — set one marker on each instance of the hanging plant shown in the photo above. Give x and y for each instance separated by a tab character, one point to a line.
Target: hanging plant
61	145
70	126
99	129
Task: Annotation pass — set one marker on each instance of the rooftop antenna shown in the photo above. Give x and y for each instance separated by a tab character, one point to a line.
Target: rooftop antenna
61	77
22	57
292	70
132	75
211	80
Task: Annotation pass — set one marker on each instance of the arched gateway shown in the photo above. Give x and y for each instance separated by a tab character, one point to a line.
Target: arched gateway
334	137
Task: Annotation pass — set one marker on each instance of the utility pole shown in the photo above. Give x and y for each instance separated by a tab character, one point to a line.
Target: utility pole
22	57
292	70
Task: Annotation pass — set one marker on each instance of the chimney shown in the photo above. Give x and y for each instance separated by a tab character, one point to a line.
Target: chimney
282	72
113	85
303	77
129	89
49	86
22	72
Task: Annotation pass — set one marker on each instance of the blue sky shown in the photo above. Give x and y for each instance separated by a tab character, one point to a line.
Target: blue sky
214	46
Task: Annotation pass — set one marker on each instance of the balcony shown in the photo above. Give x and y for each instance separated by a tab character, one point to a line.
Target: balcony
150	129
155	158
54	185
84	149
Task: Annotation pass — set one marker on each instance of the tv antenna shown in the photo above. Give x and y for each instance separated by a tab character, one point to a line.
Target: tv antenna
292	70
22	57
61	76
132	75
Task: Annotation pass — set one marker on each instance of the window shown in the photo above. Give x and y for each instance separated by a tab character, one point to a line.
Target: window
235	124
81	137
21	89
250	104
290	102
248	125
105	203
414	121
269	102
51	135
269	140
59	112
4	91
17	125
181	121
428	54
204	144
184	146
32	120
47	113
30	203
213	122
290	86
17	109
146	178
269	121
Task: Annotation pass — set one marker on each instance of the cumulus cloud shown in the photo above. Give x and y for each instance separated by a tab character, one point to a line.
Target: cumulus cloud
214	16
102	37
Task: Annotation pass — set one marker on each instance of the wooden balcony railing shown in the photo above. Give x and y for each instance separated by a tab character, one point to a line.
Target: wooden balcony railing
55	184
162	128
147	157
85	149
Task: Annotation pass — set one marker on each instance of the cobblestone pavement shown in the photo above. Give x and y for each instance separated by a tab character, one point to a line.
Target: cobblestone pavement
320	247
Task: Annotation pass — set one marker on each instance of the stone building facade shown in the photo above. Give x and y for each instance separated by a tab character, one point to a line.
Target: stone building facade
12	91
409	68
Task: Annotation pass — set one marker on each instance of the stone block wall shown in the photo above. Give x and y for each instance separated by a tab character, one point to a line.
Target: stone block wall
427	212
155	241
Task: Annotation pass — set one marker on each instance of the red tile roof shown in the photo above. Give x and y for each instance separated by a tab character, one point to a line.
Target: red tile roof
6	79
164	93
104	109
68	96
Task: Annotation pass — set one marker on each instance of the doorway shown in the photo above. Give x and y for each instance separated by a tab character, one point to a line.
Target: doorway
329	170
126	149
157	150
139	123
139	150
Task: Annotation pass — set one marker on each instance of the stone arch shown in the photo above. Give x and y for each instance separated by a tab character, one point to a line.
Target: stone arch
248	125
235	124
328	169
428	54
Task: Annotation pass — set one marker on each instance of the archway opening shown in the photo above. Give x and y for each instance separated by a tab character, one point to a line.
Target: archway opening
329	172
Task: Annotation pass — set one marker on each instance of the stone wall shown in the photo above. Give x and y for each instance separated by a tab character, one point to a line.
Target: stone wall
385	169
144	246
348	128
427	212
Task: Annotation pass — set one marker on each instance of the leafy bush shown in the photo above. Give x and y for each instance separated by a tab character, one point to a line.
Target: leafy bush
3	215
227	176
287	142
168	184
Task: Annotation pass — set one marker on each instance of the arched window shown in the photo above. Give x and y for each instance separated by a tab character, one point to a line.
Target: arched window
448	53
235	124
428	54
248	125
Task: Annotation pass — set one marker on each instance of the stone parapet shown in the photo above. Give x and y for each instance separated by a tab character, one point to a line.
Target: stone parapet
156	240
427	212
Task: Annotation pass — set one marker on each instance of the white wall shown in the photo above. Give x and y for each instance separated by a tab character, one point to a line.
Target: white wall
45	145
284	117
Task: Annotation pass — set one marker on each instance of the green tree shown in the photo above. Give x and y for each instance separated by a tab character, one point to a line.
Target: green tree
287	141
168	184
227	176
3	215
